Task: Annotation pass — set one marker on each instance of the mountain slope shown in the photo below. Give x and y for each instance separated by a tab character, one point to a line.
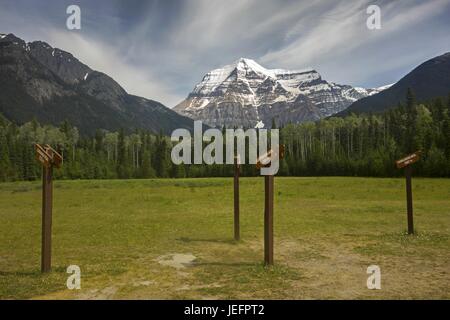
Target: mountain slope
51	85
429	80
244	93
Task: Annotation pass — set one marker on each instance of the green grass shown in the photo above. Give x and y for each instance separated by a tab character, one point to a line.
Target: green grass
327	232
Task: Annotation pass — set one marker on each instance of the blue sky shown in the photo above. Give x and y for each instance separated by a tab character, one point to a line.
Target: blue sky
161	49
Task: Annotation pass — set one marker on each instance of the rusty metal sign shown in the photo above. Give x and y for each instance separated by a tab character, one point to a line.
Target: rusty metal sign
409	159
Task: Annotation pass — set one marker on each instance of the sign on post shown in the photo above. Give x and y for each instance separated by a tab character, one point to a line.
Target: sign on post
409	159
406	163
55	156
42	156
264	161
49	158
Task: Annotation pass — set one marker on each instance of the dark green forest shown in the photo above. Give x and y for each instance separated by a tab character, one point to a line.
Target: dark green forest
356	145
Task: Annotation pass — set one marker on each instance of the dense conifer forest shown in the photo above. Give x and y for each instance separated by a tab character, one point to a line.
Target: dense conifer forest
356	145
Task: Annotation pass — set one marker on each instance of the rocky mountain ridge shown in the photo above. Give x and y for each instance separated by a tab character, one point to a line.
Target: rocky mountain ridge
51	85
244	93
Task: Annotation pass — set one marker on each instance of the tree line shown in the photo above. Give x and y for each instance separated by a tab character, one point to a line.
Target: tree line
355	145
368	145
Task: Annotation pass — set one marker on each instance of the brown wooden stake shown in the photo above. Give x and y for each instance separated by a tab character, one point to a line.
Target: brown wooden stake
236	201
268	220
409	204
263	161
47	195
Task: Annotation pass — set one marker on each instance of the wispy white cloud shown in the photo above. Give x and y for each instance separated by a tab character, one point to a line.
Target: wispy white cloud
341	36
106	58
161	49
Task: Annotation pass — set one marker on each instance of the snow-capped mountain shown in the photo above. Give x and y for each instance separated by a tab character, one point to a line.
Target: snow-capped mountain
244	93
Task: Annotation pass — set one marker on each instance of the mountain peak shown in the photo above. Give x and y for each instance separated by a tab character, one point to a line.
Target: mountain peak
247	64
10	37
244	92
245	60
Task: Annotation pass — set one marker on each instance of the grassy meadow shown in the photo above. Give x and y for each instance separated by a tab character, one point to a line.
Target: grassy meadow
128	235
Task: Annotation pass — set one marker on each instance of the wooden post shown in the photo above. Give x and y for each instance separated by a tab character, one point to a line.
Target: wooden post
237	235
268	220
406	163
264	161
49	158
409	204
47	199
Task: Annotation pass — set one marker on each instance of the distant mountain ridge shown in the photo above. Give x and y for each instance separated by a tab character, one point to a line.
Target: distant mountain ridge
51	85
429	80
244	93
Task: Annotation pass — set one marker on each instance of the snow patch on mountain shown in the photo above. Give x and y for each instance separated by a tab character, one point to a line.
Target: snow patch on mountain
244	93
379	89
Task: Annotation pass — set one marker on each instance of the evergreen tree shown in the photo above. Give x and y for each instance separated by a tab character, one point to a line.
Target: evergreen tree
410	121
5	163
122	170
364	145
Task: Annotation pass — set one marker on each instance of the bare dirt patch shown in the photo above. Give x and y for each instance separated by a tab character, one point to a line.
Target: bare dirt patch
96	294
325	269
177	260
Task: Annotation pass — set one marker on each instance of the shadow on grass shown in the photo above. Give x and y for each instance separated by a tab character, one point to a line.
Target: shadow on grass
226	264
21	273
226	241
33	273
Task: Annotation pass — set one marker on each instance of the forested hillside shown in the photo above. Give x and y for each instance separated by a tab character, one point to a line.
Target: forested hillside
368	145
428	80
357	145
51	85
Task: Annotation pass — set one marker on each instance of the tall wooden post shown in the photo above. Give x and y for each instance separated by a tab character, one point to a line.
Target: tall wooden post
237	235
47	196
49	158
268	220
264	161
406	163
409	204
